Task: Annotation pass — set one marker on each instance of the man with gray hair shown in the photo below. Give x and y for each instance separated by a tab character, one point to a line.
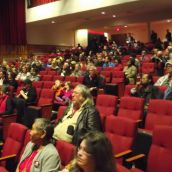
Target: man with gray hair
80	117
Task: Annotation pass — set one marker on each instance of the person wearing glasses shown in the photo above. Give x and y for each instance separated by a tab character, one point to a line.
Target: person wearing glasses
40	154
94	153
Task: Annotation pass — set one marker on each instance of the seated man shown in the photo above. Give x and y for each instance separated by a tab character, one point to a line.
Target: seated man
27	96
145	89
93	80
79	118
165	80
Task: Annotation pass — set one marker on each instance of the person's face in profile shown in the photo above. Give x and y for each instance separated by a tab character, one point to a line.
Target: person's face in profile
77	98
36	134
84	159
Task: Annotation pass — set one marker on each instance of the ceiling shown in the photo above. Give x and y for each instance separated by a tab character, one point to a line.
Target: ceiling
126	14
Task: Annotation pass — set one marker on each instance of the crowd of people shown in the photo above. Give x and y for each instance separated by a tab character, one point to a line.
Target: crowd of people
80	124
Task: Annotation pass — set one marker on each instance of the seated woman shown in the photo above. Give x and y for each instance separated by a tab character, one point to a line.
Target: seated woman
130	72
6	103
40	154
93	154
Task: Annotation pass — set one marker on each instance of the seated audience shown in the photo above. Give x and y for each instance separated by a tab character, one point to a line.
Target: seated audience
93	80
165	80
27	96
79	118
24	74
94	154
145	89
6	102
77	70
40	154
130	72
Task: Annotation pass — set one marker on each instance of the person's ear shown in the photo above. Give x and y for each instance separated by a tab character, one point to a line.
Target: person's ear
43	134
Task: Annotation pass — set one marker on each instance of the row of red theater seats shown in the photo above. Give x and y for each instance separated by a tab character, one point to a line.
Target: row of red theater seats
158	112
122	133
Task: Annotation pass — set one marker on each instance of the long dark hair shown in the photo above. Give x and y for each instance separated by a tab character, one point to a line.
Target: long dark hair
100	149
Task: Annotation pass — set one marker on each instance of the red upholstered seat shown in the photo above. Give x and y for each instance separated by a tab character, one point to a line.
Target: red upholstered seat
14	141
148	68
66	151
70	78
60	112
37	84
58	77
159	113
121	132
48	84
51	72
131	107
107	75
160	154
106	105
127	91
47	77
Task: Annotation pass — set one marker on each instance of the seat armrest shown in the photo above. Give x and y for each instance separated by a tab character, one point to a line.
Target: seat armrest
134	158
7	157
122	154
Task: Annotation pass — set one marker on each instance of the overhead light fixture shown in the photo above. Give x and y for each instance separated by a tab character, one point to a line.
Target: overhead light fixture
125	26
114	16
103	12
53	22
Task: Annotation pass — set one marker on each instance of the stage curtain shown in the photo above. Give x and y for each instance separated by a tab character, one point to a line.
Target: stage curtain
12	22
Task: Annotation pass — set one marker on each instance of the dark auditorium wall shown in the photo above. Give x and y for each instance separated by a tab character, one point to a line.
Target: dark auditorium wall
12	27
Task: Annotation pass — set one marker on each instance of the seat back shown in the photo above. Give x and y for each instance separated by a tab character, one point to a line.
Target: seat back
47	77
127	91
159	113
66	151
46	97
48	84
14	140
117	76
106	104
131	107
160	154
37	84
71	78
107	75
60	112
148	68
121	132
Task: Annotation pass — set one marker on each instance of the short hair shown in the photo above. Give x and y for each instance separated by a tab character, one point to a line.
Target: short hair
46	126
100	148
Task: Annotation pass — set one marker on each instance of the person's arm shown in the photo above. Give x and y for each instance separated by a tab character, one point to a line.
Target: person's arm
51	163
93	120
